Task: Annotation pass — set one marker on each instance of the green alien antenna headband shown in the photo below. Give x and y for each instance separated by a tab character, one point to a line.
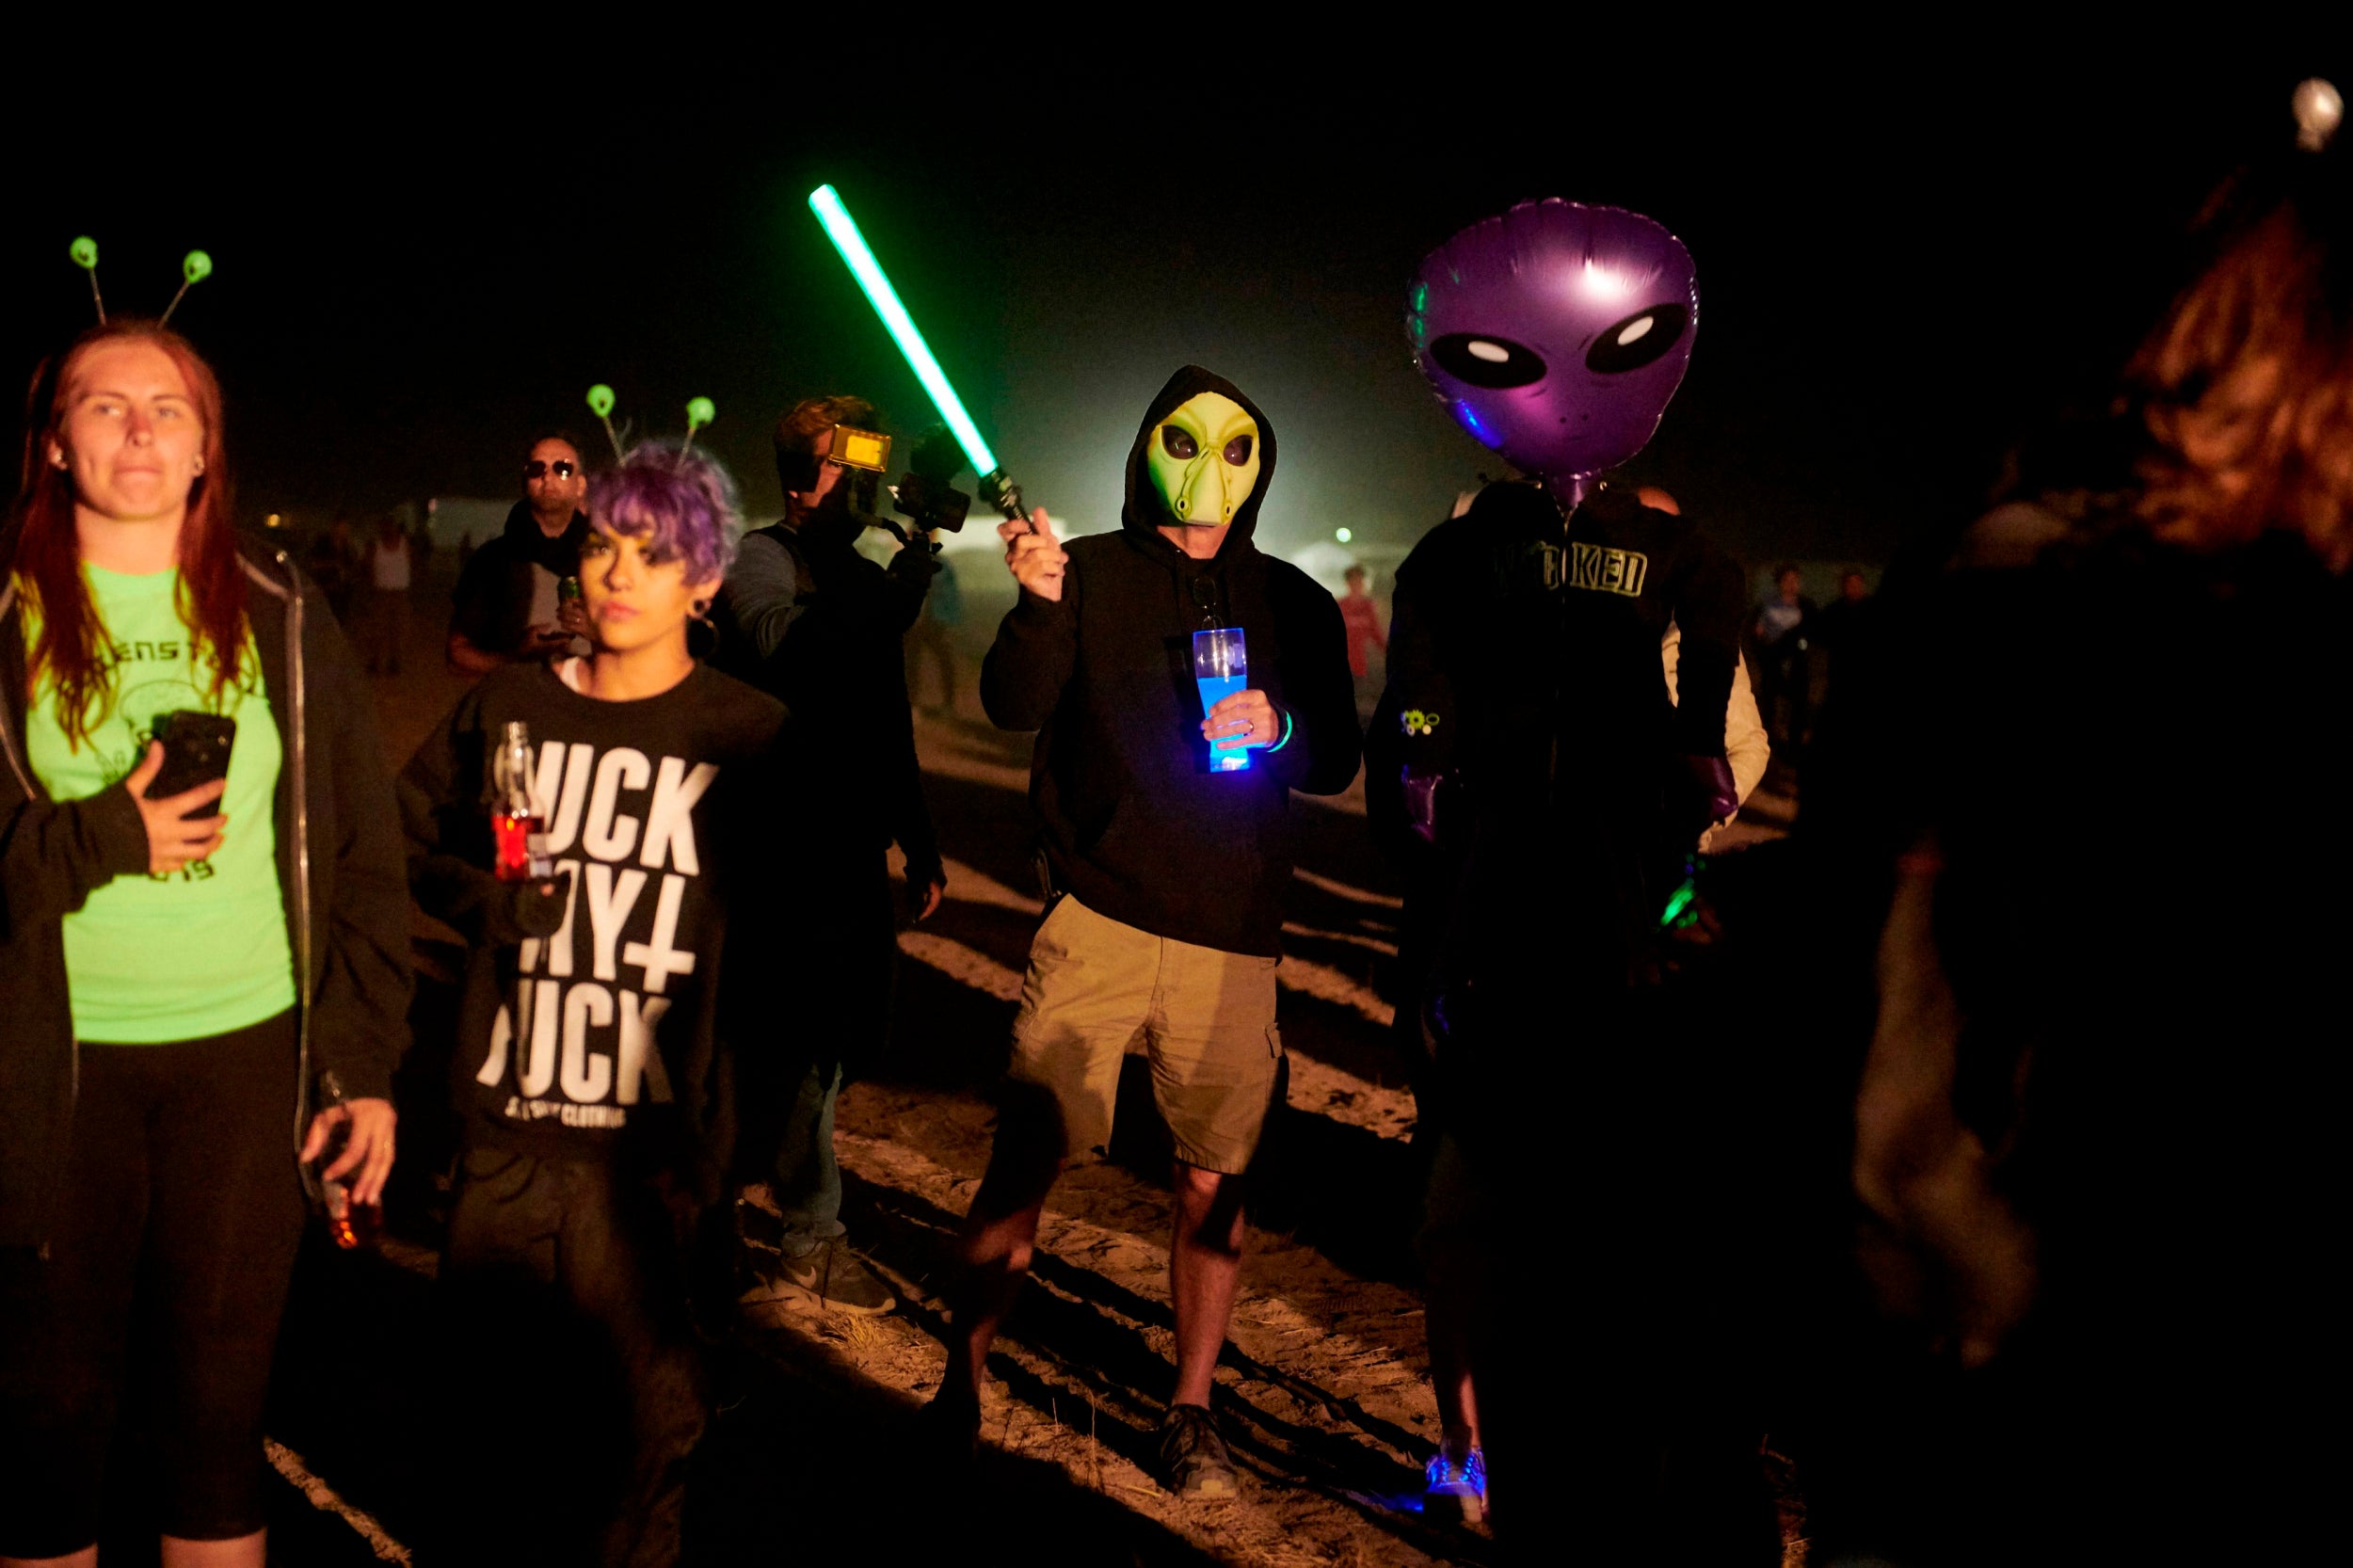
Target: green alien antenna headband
194	268
699	413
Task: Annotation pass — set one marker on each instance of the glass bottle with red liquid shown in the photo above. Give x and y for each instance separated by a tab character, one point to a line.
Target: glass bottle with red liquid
518	818
351	1223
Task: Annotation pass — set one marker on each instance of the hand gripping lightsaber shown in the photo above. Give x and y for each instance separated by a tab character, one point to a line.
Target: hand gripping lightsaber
995	487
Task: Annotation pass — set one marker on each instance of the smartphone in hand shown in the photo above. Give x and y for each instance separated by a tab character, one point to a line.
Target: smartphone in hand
196	751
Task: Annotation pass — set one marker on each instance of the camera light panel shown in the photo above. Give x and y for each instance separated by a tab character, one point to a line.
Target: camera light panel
862	449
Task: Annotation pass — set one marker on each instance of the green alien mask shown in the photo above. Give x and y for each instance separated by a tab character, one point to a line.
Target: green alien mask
1204	459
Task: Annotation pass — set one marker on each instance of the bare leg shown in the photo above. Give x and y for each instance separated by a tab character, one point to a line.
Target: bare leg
995	1248
1449	1325
244	1551
1204	1265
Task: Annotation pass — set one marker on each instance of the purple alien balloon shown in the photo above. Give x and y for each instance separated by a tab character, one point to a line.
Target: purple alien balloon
1555	333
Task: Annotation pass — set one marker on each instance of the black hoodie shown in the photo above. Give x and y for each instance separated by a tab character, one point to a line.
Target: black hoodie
1134	824
1526	649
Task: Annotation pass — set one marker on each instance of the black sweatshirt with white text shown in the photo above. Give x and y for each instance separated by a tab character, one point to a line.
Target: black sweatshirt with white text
659	812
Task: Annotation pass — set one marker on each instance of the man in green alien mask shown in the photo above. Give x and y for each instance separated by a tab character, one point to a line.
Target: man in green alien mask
1205	461
1167	877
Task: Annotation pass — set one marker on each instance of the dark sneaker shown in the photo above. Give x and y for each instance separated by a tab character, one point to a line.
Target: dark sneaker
827	1278
1456	1479
1193	1460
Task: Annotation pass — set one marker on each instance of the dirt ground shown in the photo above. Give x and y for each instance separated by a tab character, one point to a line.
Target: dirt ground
1323	1386
1322	1383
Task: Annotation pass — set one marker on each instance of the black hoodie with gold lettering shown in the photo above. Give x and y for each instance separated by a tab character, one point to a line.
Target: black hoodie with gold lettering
1134	824
1525	678
1524	654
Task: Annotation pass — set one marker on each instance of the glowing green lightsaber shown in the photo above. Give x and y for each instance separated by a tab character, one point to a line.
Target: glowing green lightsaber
840	228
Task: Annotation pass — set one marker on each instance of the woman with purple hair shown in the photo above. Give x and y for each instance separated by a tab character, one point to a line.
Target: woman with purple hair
589	1064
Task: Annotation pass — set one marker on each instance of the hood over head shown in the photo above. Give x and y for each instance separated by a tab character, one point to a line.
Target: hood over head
1190	459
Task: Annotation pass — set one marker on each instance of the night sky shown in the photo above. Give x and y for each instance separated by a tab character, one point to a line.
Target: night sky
1897	276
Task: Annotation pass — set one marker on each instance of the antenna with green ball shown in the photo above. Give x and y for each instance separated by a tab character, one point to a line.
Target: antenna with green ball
194	268
84	254
600	404
699	413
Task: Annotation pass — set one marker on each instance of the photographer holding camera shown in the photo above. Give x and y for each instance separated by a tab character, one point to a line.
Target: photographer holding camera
806	618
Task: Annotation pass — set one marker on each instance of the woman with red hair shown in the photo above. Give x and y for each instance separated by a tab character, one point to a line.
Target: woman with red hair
2099	1138
203	986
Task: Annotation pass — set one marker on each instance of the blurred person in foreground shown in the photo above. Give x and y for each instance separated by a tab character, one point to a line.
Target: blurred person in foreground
508	607
1167	878
590	1073
193	983
806	618
2098	1134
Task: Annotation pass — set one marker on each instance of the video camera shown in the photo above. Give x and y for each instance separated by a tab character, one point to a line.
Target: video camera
926	493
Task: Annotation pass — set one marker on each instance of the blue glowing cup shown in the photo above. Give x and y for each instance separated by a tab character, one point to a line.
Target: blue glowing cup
1220	667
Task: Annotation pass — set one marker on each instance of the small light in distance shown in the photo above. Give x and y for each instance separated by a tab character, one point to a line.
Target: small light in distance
271	520
1342	535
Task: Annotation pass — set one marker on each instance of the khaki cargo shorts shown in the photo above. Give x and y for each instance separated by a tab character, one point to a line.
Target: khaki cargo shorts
1206	1019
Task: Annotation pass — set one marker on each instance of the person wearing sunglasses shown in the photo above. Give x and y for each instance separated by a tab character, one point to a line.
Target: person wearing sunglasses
508	610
